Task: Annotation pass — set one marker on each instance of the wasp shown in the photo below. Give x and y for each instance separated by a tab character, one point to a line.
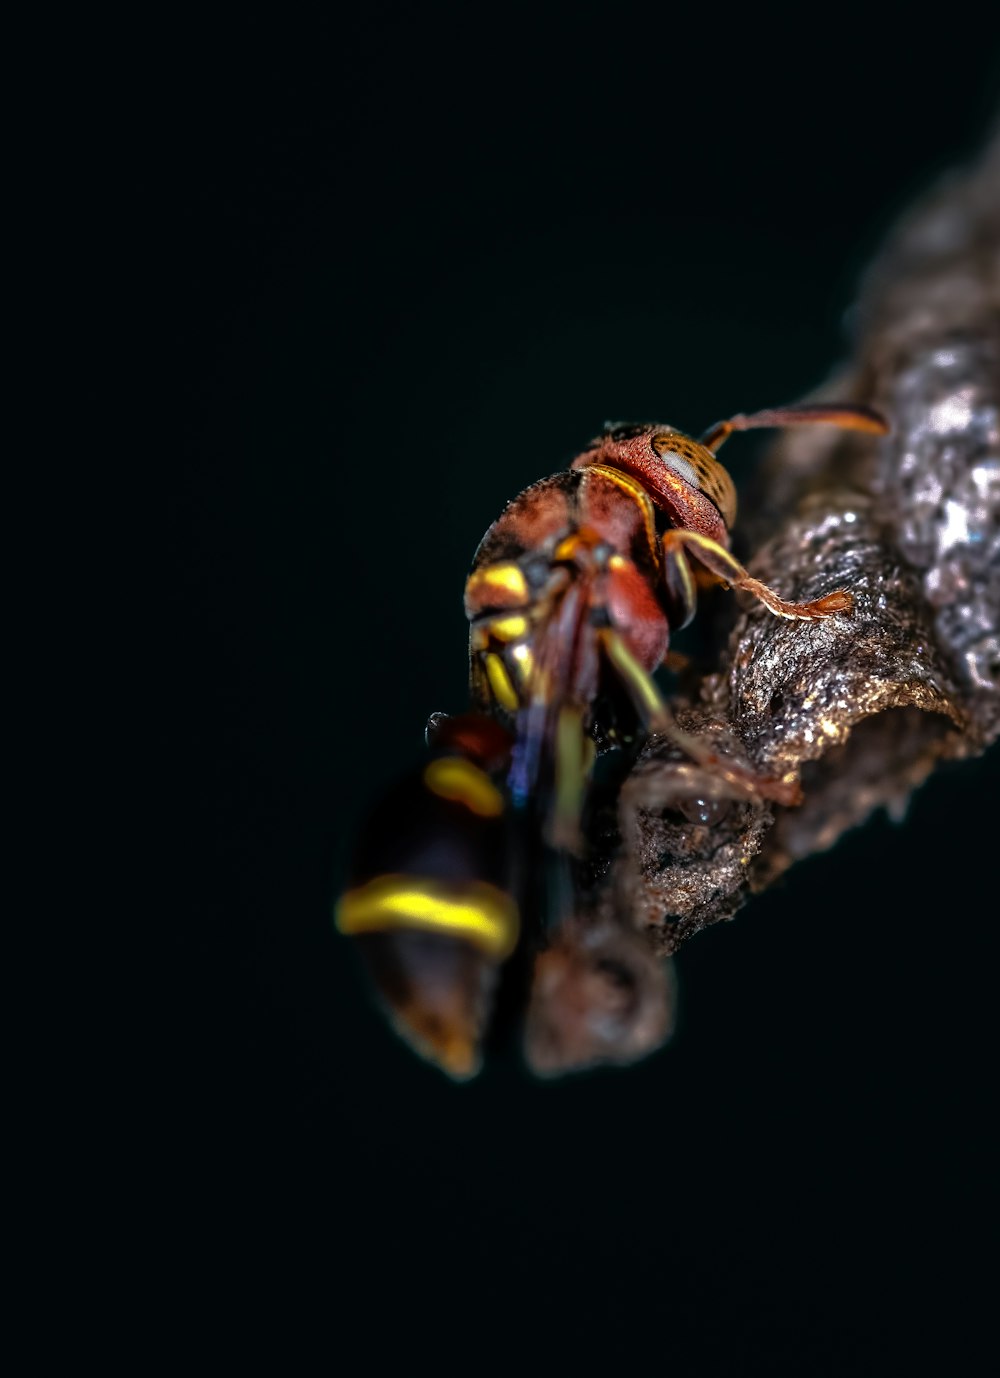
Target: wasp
576	587
571	599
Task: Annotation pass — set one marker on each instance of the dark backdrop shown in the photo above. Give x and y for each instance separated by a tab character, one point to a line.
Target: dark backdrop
410	265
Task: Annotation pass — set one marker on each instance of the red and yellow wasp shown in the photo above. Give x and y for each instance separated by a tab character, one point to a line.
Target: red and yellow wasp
571	599
575	589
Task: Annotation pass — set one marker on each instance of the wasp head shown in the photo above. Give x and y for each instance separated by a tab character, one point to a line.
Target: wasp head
682	478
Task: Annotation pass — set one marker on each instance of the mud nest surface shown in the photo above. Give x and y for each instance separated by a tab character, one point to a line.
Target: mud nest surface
860	708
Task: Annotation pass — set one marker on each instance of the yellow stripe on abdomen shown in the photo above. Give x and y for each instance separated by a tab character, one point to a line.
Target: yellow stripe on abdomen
476	912
463	783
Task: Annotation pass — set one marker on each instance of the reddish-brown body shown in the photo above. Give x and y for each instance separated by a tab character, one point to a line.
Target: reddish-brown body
591	568
593	519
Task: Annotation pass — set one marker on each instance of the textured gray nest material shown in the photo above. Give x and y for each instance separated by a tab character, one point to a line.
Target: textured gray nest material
859	708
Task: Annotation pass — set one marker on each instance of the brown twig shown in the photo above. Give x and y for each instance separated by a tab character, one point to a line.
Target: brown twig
861	707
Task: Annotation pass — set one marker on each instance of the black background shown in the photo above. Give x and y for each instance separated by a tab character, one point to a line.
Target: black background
402	266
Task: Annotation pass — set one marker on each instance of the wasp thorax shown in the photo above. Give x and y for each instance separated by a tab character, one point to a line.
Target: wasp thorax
697	466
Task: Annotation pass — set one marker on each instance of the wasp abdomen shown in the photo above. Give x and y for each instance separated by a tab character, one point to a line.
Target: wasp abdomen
430	906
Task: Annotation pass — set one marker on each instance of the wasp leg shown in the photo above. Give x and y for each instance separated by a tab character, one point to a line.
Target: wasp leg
716	558
571	775
848	418
692	782
658	718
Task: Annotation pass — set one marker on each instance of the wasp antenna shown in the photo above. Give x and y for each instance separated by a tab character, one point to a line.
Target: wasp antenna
847	417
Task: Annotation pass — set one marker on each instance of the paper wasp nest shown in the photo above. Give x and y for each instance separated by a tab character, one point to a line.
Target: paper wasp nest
862	708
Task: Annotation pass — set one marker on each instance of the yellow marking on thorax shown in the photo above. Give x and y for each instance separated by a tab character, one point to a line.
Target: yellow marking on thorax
500	682
524	665
505	579
584	539
475	912
642	500
463	783
508	628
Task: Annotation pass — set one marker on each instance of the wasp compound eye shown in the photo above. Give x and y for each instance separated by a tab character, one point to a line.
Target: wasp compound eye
696	466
